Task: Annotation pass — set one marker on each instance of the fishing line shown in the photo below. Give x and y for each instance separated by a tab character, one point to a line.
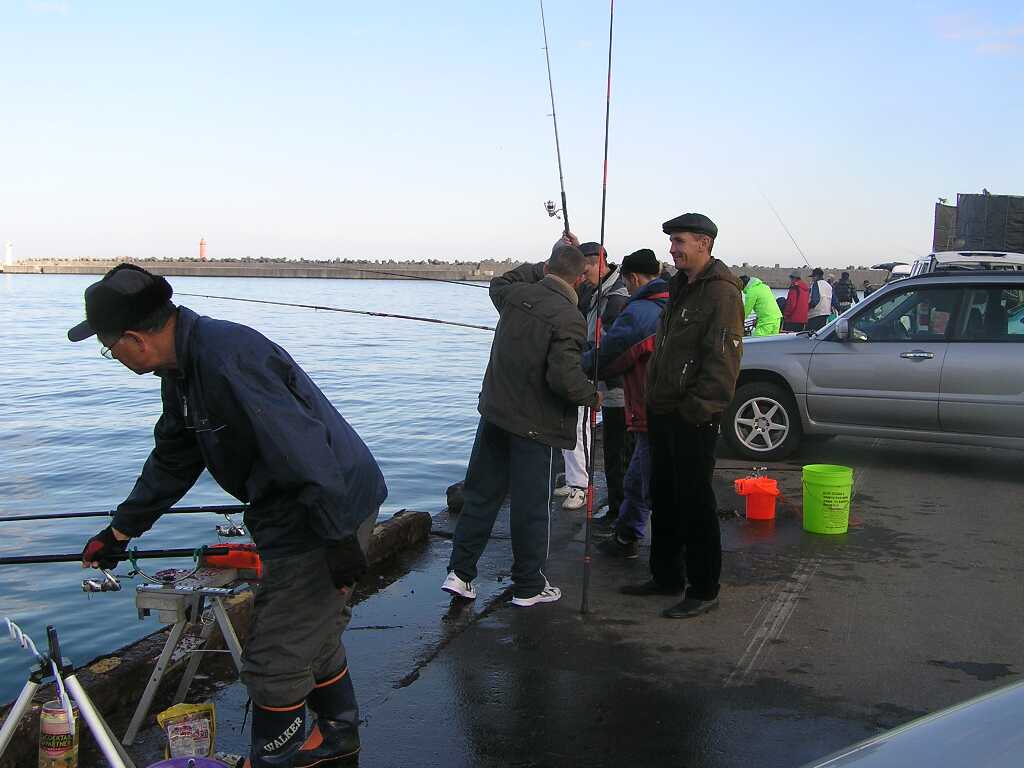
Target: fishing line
340	309
602	263
777	216
554	121
415	277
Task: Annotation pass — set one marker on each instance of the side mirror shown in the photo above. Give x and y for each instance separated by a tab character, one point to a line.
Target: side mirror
842	330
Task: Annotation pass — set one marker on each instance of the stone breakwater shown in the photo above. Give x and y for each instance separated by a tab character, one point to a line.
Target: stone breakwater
775	277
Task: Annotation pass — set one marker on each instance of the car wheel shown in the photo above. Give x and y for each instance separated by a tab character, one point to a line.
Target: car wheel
762	422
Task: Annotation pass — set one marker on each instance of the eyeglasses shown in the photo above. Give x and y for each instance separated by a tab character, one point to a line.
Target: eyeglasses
107	349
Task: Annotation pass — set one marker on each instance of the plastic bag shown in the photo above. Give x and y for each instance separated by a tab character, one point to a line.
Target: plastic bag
191	730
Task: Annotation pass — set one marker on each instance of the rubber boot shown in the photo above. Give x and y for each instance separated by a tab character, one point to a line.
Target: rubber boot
277	735
334	739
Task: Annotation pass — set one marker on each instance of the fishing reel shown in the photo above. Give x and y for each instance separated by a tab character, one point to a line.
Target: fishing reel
553	211
109	583
232	530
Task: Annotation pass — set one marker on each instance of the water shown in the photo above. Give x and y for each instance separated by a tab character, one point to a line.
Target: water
75	428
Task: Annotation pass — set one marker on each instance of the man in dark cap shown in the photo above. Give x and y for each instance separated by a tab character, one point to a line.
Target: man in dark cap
238	405
625	350
691	380
531	391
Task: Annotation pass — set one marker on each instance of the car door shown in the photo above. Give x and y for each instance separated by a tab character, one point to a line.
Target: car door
982	390
887	373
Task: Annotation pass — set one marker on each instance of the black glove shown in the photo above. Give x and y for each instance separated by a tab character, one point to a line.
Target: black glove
103	549
346	561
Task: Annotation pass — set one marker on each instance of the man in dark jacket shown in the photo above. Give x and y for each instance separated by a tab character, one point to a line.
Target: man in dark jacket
844	293
625	350
691	379
532	389
236	404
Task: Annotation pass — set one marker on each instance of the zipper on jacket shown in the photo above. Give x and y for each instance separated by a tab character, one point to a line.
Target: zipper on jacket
682	376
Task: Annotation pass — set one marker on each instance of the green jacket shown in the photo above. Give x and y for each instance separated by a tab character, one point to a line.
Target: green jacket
759	300
697	351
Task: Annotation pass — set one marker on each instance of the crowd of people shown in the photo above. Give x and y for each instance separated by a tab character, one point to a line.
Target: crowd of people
666	369
238	405
806	307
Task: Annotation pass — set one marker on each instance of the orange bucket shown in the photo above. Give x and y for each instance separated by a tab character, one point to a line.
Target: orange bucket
760	493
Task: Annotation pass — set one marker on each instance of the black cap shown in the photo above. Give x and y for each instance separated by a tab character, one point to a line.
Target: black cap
817	272
642	262
691	222
794	275
126	295
590	250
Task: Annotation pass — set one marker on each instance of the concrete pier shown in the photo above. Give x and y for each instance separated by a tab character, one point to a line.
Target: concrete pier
775	277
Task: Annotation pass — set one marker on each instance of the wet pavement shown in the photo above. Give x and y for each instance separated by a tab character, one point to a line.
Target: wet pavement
819	641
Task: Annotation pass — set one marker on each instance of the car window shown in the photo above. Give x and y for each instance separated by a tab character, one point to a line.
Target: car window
914	314
992	313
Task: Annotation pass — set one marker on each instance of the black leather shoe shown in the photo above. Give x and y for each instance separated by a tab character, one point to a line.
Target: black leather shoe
613	546
689	608
649	588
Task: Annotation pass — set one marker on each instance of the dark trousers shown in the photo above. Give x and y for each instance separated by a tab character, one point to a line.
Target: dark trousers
686	545
618	448
817	323
501	462
793	326
298	616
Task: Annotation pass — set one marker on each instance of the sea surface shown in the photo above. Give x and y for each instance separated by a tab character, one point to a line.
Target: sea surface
75	428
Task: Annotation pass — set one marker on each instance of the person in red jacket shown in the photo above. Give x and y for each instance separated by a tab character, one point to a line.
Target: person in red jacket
794	317
625	351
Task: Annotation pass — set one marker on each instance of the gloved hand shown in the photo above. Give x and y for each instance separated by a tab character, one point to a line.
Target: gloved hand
346	561
103	548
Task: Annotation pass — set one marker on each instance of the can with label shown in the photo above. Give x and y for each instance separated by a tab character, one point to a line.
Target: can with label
58	743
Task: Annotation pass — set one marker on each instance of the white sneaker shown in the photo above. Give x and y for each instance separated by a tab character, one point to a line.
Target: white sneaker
547	595
576	498
562	490
456	586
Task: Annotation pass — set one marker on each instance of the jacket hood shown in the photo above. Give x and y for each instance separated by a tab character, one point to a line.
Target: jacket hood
753	283
658	285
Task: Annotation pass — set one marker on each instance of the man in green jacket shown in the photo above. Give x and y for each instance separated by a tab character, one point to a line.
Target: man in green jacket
759	300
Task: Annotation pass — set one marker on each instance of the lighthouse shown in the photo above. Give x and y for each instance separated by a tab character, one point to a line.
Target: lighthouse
202	249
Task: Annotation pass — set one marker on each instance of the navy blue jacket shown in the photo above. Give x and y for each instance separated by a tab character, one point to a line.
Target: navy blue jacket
239	406
627	345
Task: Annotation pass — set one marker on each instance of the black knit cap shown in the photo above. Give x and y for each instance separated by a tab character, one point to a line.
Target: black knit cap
591	249
642	262
691	222
126	295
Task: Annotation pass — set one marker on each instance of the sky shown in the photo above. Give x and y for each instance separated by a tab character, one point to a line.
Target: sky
422	130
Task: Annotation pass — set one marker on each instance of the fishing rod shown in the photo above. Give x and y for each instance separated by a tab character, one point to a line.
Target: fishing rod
226	509
339	309
602	264
134	554
777	216
554	120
